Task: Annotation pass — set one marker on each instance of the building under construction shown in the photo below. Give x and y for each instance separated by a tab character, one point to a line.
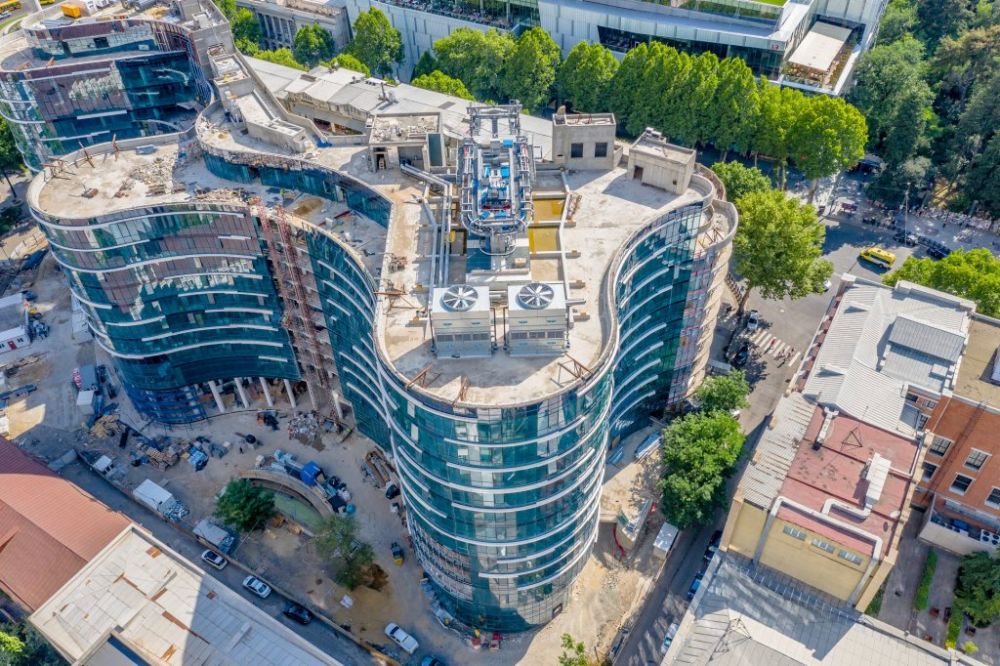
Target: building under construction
493	320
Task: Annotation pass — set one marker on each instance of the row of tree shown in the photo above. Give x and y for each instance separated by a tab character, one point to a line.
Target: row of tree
693	99
928	90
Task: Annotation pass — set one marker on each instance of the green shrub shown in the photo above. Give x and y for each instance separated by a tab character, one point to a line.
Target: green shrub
970	648
954	624
922	596
875	607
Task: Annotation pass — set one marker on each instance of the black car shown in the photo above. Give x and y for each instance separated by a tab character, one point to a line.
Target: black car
741	357
935	252
300	614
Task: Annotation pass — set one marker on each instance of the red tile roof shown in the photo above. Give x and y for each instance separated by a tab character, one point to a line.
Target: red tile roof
836	472
49	528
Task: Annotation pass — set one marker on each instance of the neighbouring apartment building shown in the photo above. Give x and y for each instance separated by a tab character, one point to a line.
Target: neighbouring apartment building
494	340
960	476
830	485
810	44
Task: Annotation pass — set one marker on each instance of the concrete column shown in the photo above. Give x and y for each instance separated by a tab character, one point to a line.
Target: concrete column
336	405
291	395
218	396
242	392
267	392
312	396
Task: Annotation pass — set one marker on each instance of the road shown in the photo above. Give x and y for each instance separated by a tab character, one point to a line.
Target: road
792	325
316	633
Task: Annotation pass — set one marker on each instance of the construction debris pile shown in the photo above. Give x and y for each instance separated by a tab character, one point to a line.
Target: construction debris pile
305	427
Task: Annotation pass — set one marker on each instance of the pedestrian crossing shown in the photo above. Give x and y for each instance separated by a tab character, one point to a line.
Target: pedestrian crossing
771	345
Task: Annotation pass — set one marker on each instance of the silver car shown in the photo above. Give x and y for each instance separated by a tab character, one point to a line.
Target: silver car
257	586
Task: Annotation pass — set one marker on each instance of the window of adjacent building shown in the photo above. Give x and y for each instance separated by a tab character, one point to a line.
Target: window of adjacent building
823	545
976	459
601	149
930	404
576	150
794	532
850	557
929	469
960	484
940	446
994	499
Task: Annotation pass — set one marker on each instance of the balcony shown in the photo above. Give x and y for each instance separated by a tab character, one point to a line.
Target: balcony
957	535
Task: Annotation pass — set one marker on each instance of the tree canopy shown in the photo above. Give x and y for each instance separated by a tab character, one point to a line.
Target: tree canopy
376	43
700	451
349	559
723	393
530	72
10	156
280	56
575	653
313	44
741	180
244	506
584	78
827	135
972	274
347	61
478	59
442	83
979	588
22	645
778	246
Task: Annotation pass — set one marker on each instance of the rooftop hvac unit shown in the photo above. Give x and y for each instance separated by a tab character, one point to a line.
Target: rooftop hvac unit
537	320
461	322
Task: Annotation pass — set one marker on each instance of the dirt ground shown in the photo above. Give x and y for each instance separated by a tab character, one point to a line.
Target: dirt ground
606	593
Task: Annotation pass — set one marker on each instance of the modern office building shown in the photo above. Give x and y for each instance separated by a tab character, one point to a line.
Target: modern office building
281	19
812	44
490	311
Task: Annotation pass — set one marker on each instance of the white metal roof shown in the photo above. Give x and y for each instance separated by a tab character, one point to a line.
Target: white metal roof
820	46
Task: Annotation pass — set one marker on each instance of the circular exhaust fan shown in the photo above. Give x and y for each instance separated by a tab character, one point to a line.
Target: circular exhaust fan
535	296
459	298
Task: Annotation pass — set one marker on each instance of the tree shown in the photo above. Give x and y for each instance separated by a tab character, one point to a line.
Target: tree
900	19
280	56
778	247
21	645
963	62
723	393
427	64
584	78
906	134
972	274
983	182
442	83
10	156
246	27
347	61
778	108
349	559
376	43
11	647
891	184
700	450
940	18
477	59
313	44
244	505
574	653
530	71
691	99
734	108
979	588
882	78
826	136
740	180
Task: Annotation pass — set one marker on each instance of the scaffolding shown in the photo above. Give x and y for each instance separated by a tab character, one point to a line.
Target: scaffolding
286	268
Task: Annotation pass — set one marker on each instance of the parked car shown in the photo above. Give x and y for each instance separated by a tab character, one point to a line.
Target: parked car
742	356
391	491
713	546
297	612
407	642
669	638
753	321
212	558
695	584
431	661
935	252
257	586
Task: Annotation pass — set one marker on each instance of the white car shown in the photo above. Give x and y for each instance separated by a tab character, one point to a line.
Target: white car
753	321
257	586
214	559
401	638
